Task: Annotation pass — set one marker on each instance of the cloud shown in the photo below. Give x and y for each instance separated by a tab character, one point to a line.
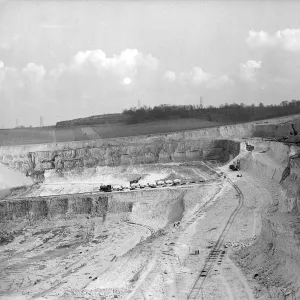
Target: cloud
287	39
197	77
126	64
249	69
9	77
107	80
56	72
35	73
93	82
169	76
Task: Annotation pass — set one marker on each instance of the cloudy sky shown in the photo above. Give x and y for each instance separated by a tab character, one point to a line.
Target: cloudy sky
68	59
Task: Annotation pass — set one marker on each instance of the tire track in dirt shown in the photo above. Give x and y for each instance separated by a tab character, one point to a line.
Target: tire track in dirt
238	276
72	267
168	265
213	255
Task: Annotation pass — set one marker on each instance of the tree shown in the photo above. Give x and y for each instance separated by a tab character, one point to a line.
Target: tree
284	103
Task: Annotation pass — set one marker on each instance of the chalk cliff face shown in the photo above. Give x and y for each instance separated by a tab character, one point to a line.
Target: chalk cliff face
87	155
274	260
279	162
53	207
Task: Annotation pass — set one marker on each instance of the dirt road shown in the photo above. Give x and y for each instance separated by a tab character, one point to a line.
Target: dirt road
175	268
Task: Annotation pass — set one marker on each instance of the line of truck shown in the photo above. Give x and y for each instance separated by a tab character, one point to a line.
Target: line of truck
157	183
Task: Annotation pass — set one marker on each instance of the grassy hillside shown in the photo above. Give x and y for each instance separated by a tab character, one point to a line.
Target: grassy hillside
22	136
40	135
80	133
120	130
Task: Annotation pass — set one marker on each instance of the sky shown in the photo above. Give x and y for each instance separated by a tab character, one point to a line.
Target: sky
70	58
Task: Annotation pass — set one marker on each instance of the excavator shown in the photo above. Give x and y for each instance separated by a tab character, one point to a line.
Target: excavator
235	166
292	138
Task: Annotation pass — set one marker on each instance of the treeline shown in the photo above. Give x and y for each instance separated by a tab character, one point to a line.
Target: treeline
231	113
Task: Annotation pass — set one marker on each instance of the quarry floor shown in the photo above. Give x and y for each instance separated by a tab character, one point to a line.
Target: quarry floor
89	181
93	258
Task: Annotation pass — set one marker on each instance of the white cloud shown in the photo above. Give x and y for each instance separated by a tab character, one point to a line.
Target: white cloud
34	72
127	63
9	77
249	70
169	76
197	77
287	39
55	73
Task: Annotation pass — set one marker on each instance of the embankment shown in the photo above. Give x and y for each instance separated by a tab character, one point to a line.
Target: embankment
155	207
274	261
53	207
217	143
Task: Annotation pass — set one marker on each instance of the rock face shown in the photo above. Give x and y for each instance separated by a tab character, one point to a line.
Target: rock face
54	207
34	162
274	260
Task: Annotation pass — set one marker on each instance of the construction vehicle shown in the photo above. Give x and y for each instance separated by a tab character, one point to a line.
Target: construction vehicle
135	180
105	188
292	138
235	166
249	147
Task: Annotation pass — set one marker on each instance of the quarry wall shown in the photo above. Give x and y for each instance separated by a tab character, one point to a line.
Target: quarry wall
274	259
53	207
279	162
275	130
34	161
154	207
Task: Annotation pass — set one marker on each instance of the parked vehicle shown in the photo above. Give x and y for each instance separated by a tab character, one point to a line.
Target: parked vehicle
152	185
135	180
176	181
117	188
160	183
105	188
134	185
